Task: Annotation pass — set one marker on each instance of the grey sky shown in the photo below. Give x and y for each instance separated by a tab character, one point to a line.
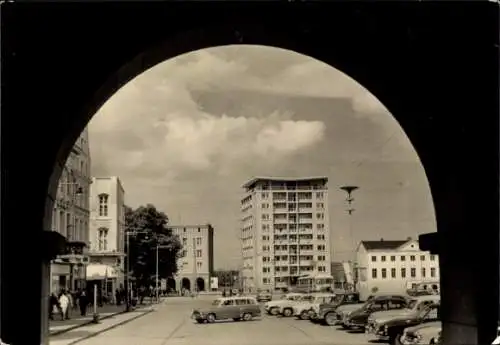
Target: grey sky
187	133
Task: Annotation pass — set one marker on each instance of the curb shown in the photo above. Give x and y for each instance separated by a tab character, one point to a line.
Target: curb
146	312
83	324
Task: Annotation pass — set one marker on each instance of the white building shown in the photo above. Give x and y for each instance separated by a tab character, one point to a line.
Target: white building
107	234
394	266
285	231
196	262
70	217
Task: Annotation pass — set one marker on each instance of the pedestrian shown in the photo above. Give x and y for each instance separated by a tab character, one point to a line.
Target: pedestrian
53	306
83	303
64	305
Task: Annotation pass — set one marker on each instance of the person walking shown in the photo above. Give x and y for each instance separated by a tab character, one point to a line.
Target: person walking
64	305
83	303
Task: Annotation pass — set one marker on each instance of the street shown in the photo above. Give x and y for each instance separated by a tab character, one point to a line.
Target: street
170	324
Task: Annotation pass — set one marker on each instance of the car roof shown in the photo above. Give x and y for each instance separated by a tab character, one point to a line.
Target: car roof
235	297
427	298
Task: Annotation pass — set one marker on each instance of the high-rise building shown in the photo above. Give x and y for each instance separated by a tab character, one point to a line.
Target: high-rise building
196	262
284	231
70	217
107	234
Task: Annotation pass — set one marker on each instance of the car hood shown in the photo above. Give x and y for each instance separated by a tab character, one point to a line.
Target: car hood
391	318
349	307
278	303
434	324
302	305
387	314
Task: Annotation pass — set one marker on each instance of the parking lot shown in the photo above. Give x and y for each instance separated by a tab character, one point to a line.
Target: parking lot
171	324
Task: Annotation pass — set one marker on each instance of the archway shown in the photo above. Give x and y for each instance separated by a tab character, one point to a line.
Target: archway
186	284
171	284
395	65
200	284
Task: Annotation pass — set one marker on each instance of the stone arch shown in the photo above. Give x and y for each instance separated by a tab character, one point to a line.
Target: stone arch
200	284
185	284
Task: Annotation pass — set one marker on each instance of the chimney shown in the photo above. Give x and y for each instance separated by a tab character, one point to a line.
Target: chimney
382	239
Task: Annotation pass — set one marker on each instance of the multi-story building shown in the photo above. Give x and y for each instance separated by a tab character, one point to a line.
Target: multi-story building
394	266
284	231
196	262
107	234
70	217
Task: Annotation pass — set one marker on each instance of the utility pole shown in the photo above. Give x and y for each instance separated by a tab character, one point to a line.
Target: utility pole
349	189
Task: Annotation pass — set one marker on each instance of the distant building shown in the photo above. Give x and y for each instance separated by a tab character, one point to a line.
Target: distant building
71	217
284	231
196	263
394	266
107	234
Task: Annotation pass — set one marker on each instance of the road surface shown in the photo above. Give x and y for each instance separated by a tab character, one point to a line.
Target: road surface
170	324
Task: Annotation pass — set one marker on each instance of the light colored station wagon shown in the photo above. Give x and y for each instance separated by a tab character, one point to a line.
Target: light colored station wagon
236	308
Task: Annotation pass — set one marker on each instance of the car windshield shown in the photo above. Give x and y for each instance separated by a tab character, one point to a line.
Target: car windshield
306	298
412	304
216	302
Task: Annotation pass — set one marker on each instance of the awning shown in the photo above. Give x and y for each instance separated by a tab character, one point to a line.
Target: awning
101	271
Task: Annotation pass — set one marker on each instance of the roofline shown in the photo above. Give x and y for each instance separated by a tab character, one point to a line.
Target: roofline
371	250
208	225
285	179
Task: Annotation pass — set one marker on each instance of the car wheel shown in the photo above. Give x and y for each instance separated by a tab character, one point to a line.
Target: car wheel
200	320
304	315
330	319
396	340
287	312
211	318
346	327
274	311
236	319
432	342
247	317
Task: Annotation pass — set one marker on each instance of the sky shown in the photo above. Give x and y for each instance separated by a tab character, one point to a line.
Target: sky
186	134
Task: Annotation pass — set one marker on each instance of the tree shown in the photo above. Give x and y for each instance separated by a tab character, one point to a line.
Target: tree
147	228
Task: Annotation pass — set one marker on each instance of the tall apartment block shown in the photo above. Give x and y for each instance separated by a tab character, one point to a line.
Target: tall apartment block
284	231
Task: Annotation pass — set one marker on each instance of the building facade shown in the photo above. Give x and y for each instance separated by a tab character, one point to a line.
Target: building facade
394	266
71	217
107	234
196	262
285	231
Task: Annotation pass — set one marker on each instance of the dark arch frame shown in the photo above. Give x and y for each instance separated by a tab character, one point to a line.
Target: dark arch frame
405	54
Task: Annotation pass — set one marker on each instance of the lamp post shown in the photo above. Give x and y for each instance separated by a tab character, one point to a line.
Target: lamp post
349	189
158	269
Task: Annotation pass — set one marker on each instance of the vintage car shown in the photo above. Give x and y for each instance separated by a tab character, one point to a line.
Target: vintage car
438	340
236	308
286	309
359	318
273	307
301	309
422	334
390	328
415	304
325	313
264	296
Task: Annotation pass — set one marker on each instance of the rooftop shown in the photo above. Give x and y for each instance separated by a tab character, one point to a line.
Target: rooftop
284	179
383	244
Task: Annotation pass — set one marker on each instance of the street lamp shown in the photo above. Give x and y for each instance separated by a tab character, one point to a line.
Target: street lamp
157	268
349	189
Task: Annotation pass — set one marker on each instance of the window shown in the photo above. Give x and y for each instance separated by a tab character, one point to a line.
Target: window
265	227
320	237
374	273
433	272
320	216
265	217
382	258
374	258
393	258
403	273
320	226
393	273
102	239
321	269
320	205
422	257
199	264
184	241
319	195
265	205
412	257
384	273
184	253
198	241
433	257
423	272
264	195
103	205
413	272
403	258
198	253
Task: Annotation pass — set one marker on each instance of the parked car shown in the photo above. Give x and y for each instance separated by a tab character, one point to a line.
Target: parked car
415	305
325	313
390	328
438	340
301	309
344	310
236	308
422	334
359	318
264	296
286	309
273	307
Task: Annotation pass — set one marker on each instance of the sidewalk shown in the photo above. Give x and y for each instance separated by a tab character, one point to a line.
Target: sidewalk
58	326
